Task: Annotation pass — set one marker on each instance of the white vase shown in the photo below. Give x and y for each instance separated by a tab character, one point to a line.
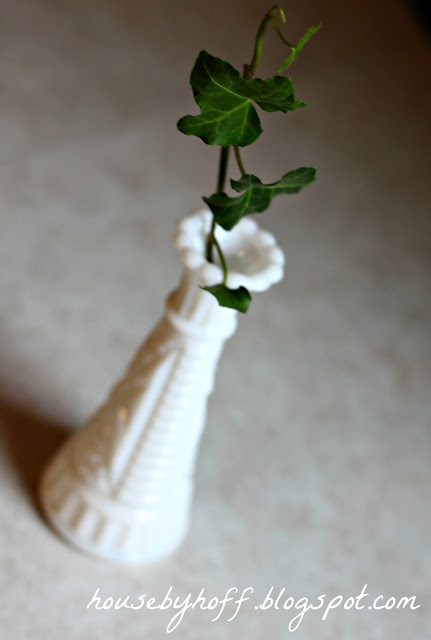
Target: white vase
121	487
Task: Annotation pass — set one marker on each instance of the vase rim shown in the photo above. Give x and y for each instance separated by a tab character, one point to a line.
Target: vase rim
253	258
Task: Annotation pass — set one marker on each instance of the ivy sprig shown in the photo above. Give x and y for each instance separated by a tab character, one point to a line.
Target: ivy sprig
229	118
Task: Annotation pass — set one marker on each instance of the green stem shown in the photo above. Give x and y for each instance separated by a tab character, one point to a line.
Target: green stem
222	258
224	157
239	160
271	16
210	242
298	47
222	171
278	32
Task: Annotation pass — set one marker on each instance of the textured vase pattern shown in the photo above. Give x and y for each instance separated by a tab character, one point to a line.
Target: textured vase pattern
121	487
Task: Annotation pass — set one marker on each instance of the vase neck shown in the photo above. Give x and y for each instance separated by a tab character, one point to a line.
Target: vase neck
195	313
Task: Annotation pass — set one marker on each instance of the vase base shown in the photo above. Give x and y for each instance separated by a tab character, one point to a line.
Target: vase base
103	528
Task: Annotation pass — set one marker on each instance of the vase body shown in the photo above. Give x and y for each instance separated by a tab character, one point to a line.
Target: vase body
121	487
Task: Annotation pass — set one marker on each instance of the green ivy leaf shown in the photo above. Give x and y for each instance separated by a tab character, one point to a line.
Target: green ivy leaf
238	299
274	94
257	197
228	116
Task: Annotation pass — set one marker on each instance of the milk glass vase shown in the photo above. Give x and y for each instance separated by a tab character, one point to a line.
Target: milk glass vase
121	487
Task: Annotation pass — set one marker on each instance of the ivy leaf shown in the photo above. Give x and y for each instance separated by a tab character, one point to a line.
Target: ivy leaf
238	299
256	196
228	116
274	94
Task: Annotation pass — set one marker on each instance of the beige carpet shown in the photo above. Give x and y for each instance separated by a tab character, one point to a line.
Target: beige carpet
314	473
